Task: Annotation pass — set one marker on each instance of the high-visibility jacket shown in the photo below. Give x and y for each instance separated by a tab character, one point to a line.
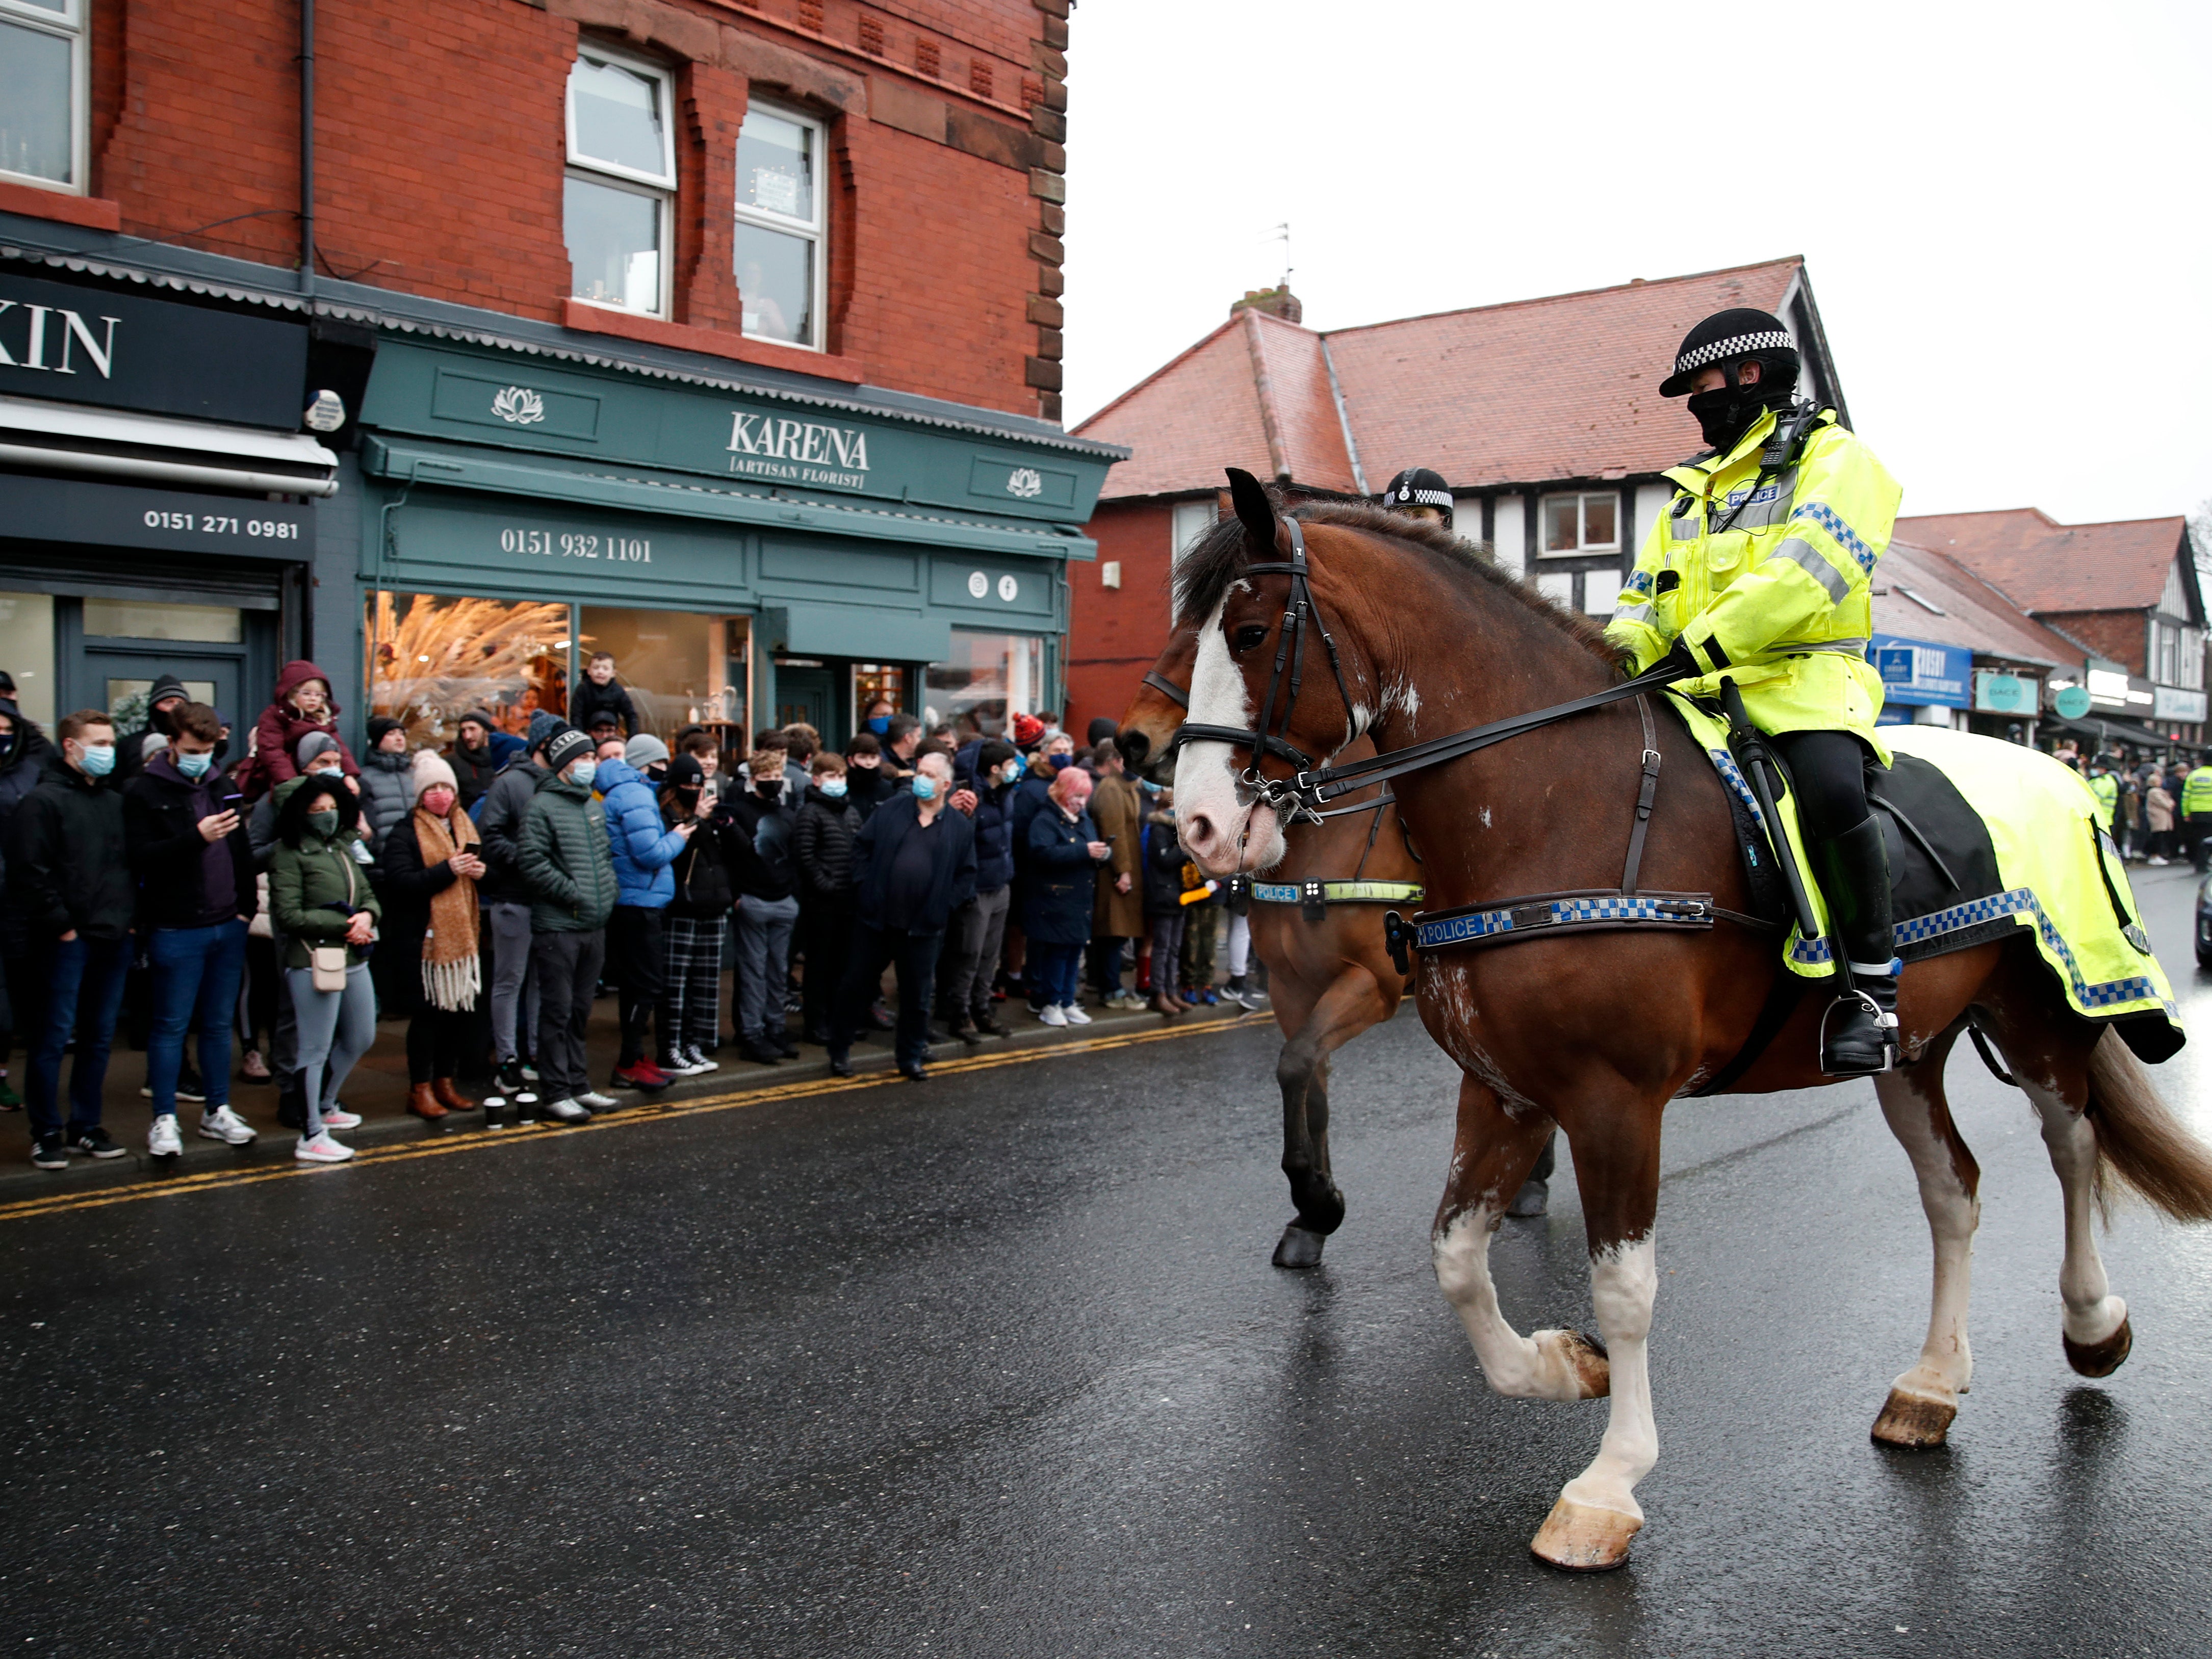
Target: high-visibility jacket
2107	788
1781	598
2196	792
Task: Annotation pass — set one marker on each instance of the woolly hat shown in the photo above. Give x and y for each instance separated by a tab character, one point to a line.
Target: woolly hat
563	746
543	724
431	768
684	772
606	717
379	727
314	743
482	718
1028	728
645	749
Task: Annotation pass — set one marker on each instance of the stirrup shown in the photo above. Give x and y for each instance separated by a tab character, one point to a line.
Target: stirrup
1885	1022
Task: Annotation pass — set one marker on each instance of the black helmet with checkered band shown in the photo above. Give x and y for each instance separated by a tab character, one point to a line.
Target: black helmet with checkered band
1729	336
1416	486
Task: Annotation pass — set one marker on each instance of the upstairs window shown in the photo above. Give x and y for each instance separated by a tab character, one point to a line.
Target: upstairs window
621	183
1587	523
42	93
779	252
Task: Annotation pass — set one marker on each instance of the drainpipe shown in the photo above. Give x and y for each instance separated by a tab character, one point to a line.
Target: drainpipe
307	146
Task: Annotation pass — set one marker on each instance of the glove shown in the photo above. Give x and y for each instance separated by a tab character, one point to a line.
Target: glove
1679	663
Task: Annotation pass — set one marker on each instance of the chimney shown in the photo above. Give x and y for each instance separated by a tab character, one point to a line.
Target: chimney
1275	302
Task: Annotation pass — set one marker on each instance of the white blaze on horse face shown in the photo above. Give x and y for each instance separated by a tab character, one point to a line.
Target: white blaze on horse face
1220	830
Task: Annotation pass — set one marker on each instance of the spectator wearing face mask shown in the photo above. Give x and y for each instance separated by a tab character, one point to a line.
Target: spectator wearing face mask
134	749
877	722
23	754
1064	848
644	845
1118	916
387	778
182	822
696	921
978	929
506	896
320	899
429	966
567	864
763	819
822	850
868	785
913	866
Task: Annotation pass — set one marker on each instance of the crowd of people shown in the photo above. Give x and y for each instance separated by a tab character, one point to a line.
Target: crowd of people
271	902
2156	812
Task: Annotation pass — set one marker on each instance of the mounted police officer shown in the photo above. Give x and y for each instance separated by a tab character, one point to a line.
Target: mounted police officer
1761	569
1417	493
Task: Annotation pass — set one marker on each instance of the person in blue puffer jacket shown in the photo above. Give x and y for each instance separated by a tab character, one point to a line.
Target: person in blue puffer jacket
645	848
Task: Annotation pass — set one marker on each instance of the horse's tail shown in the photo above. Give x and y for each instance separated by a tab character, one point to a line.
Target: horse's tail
2140	1141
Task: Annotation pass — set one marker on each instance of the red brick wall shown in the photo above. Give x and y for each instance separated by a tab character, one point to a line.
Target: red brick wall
440	149
1115	636
2119	635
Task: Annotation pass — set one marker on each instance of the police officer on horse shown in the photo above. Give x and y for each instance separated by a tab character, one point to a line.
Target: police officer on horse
1761	570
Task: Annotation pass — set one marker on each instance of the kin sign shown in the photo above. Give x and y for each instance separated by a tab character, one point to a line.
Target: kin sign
791	450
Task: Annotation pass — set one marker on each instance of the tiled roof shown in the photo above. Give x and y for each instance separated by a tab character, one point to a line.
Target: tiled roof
1974	614
1562	387
2045	565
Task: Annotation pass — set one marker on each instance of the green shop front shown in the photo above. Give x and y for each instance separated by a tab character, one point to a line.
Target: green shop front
749	554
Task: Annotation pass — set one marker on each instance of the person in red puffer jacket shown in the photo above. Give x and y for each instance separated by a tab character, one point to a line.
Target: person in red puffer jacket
302	704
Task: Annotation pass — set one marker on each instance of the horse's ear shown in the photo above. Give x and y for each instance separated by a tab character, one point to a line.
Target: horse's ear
1253	510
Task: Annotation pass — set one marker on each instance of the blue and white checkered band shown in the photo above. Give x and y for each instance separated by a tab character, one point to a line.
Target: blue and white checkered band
1406	492
1732	776
1735	346
1471	925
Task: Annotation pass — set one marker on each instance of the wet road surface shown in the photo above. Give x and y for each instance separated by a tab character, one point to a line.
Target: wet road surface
997	1366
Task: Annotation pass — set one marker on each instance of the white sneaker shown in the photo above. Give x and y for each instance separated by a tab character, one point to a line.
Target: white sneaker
321	1149
678	1066
224	1125
162	1140
2154	858
564	1111
336	1117
1074	1014
1052	1014
700	1061
596	1101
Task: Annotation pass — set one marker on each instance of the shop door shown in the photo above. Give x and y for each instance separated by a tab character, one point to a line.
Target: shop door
113	649
803	695
119	681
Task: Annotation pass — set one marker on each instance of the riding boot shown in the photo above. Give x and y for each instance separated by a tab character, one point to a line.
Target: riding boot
1859	1035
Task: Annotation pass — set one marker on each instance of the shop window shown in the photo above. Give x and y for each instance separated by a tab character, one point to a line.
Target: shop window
432	660
42	92
26	652
877	682
780	218
147	619
679	668
621	182
1588	522
129	701
988	679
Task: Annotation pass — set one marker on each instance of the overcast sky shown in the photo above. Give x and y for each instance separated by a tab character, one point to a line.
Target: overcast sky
2003	209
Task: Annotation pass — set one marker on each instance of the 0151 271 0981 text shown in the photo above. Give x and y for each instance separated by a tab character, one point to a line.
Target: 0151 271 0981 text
577	544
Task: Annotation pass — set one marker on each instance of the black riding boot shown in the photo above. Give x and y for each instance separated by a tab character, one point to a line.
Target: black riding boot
1858	1037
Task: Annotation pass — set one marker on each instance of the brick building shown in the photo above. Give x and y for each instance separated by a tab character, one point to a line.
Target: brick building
1543	416
724	333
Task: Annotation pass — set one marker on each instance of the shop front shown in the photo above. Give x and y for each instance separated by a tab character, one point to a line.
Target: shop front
748	555
157	499
1923	682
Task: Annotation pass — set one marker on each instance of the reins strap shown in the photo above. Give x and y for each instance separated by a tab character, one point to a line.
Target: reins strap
1645	793
1167	689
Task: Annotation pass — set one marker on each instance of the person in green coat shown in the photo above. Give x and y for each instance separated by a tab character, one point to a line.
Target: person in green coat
319	896
567	862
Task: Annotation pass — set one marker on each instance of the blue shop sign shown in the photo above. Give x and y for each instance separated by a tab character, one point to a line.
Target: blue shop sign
1922	671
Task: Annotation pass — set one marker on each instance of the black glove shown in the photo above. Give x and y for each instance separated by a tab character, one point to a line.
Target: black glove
1679	663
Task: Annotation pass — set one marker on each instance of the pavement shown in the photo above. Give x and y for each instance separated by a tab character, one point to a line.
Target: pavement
996	1365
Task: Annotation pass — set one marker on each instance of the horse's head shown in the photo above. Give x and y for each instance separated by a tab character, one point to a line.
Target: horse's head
1253	646
1148	729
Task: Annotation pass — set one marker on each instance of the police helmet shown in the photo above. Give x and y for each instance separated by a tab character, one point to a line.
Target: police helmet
1729	336
1418	487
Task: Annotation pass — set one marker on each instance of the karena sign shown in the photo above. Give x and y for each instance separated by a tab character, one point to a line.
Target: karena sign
120	350
793	451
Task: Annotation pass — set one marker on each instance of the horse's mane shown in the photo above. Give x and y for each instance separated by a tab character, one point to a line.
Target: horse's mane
1218	558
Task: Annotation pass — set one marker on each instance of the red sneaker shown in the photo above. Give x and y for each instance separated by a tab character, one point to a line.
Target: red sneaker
643	1075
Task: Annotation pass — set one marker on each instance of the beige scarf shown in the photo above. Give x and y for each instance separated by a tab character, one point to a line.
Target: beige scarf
451	975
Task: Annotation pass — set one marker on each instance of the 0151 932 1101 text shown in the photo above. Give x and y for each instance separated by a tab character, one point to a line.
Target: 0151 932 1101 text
577	544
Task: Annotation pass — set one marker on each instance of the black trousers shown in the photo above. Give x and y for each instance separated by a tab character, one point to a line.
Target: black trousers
875	949
825	940
1828	769
637	961
435	1038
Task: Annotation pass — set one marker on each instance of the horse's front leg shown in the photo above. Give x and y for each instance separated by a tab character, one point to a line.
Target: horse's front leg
1492	1153
1351	1004
1616	1151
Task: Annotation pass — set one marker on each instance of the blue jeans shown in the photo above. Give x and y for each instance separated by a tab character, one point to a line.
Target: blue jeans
196	971
78	977
1059	970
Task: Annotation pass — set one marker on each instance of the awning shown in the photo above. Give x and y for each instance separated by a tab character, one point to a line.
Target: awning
2125	731
156	448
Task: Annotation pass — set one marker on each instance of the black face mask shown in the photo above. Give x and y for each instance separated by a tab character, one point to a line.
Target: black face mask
769	790
688	797
1725	414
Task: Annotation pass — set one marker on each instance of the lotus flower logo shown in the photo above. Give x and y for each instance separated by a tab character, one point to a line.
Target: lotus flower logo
519	406
1024	482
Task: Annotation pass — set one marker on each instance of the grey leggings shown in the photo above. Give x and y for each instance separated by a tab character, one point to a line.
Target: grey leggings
337	1026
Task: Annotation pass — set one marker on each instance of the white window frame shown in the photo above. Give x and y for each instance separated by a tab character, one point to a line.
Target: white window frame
70	24
659	189
815	230
1186	522
1581	498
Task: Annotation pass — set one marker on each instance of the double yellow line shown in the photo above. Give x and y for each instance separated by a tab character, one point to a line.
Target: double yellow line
181	1186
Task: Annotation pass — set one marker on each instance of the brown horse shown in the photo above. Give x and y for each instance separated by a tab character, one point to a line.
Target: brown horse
1597	1032
1329	980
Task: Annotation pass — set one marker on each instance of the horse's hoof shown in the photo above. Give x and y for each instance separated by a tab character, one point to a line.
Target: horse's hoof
1533	1200
1917	1422
2100	1359
1581	1538
1299	1247
1593	1366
